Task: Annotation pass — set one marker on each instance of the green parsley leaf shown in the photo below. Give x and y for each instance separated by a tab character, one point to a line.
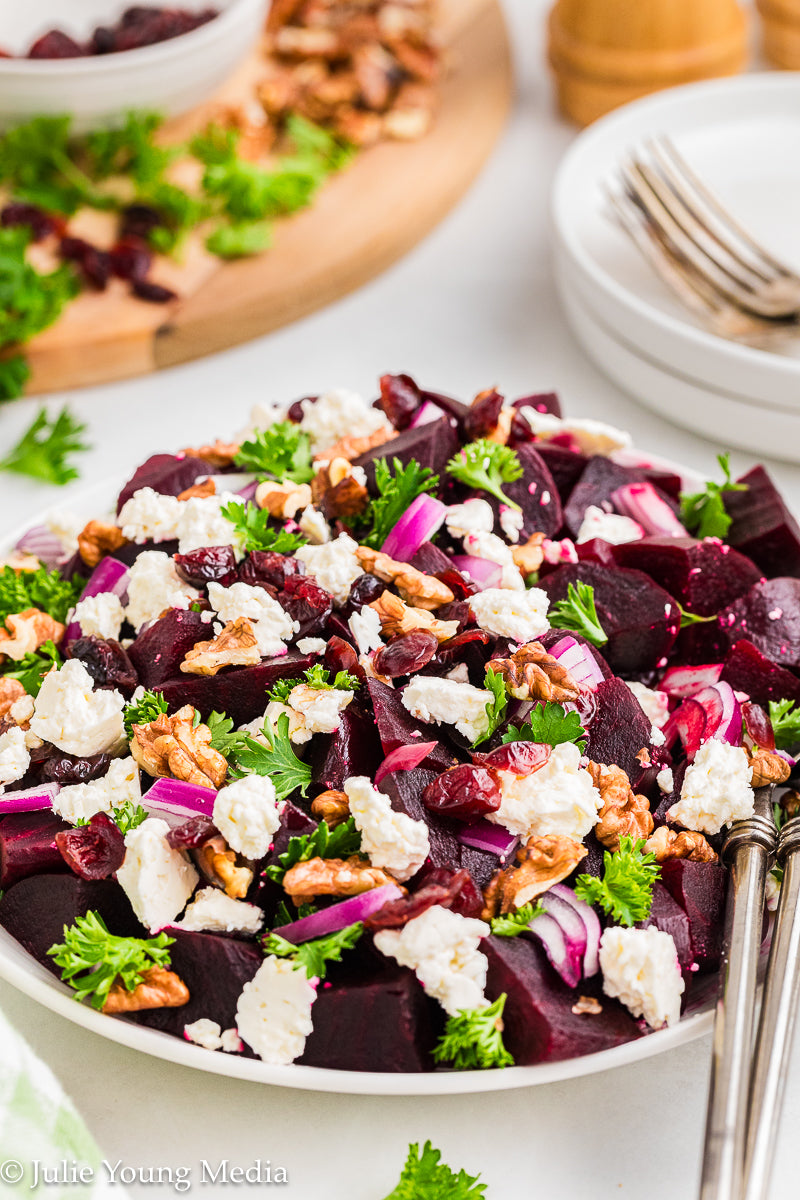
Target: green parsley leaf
92	959
240	239
128	816
142	711
30	300
785	718
496	708
486	465
274	757
473	1040
46	590
44	450
312	142
625	893
315	677
179	212
246	192
549	724
37	165
252	526
578	612
425	1177
316	954
689	618
224	737
703	513
324	842
216	144
281	452
514	923
397	487
31	670
14	374
128	149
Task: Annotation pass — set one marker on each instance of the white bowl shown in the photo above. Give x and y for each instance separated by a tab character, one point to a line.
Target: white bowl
169	77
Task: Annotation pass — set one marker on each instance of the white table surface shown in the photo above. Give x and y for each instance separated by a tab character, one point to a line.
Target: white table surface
471	307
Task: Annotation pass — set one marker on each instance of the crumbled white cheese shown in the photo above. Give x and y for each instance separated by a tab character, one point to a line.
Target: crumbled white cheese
772	892
493	548
201	523
338	414
262	415
429	699
654	704
666	780
153	586
65	526
314	526
100	616
716	789
518	615
211	1036
460	672
391	840
441	947
511	522
335	565
657	738
156	879
212	911
365	627
274	1010
14	756
79	801
610	527
320	708
247	814
150	517
272	625
473	516
593	437
311	645
640	967
559	552
70	714
558	798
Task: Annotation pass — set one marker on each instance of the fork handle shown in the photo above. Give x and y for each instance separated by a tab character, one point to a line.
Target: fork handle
777	1022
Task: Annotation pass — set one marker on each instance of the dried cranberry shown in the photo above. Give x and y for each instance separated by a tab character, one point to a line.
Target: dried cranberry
103	40
456	610
66	769
107	663
155	293
397	913
306	602
263	567
40	223
758	726
464	895
459	586
93	851
139	221
483	415
400	398
523	758
340	656
465	792
453	649
210	564
365	589
519	431
192	833
406	653
95	264
56	44
295	412
131	258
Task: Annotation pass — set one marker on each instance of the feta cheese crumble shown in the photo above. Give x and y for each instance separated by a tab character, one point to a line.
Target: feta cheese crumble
314	526
274	1010
518	615
310	710
201	523
716	789
666	780
441	948
79	801
654	704
640	967
511	522
272	625
391	840
212	911
14	756
149	517
247	814
431	699
473	516
312	645
558	798
154	585
610	527
592	437
338	414
365	627
335	565
100	616
211	1036
70	714
156	879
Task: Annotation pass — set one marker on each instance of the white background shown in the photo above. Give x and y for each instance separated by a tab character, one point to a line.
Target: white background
471	307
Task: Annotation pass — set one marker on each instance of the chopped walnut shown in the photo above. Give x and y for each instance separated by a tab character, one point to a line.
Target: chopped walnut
332	807
235	646
337	491
587	1005
353	447
199	490
12	695
533	674
790	803
502	430
542	862
27	631
624	813
222	862
666	843
415	587
332	877
767	767
97	539
219	454
283	500
398	617
643	757
175	746
529	556
159	989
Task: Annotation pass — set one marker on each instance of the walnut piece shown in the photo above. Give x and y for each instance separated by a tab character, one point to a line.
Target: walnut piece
790	802
624	813
332	877
667	843
15	703
174	746
542	862
222	863
767	767
332	807
529	556
159	989
353	447
283	500
415	587
337	491
27	631
587	1005
199	490
97	539
219	454
533	674
398	617
235	646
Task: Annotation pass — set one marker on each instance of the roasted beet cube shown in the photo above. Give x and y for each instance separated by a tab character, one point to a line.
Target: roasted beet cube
666	914
699	889
763	528
169	474
28	847
747	670
158	652
704	576
241	693
619	729
432	445
354	749
566	466
600	478
769	617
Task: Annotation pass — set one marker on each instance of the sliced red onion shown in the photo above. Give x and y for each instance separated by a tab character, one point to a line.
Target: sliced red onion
483	835
29	800
758	726
723	713
642	503
339	916
579	661
565	955
183	799
689	724
248	490
591	921
43	544
418	524
481	571
426	413
110	575
404	758
684	682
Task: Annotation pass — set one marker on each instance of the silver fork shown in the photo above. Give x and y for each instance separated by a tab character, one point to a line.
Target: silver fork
701	251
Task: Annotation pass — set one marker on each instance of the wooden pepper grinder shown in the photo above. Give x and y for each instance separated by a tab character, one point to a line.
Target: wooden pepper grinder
781	32
607	52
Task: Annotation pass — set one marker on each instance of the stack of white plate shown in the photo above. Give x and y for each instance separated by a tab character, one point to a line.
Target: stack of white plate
742	136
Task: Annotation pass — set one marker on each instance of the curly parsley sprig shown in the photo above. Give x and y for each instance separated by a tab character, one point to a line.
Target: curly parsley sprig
141	711
273	756
316	954
426	1177
487	465
281	452
92	959
473	1040
314	677
253	530
496	707
31	670
341	842
704	513
45	449
397	486
549	724
514	923
625	893
578	612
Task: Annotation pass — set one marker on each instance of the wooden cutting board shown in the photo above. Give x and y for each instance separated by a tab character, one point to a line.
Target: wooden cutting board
361	222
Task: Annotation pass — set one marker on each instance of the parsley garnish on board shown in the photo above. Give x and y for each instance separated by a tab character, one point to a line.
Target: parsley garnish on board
703	513
785	718
281	452
625	893
31	670
426	1177
46	590
141	711
315	677
397	487
38	164
14	374
578	612
514	923
273	757
549	724
324	842
45	449
496	707
252	526
316	954
241	239
30	300
92	959
474	1039
487	465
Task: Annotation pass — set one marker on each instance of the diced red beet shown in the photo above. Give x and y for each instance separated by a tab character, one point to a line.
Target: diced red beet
639	617
396	726
354	749
699	889
28	847
168	474
157	653
566	466
543	402
619	729
539	1024
399	399
704	576
240	693
432	445
596	550
483	415
600	478
93	851
107	662
763	527
431	559
536	494
667	915
209	564
56	44
769	617
747	670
